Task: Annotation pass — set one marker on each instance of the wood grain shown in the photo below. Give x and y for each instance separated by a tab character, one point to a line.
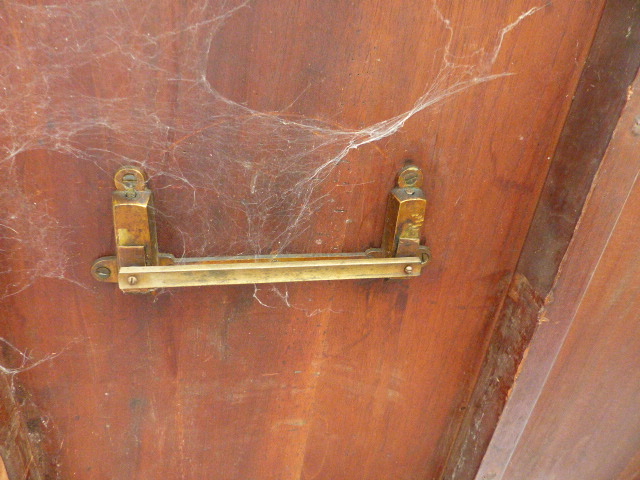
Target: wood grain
364	379
3	471
585	423
602	92
25	435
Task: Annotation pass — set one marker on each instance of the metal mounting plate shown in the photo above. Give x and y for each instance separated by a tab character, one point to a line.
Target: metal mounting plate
138	267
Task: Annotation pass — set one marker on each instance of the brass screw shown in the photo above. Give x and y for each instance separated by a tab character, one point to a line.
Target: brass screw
410	176
408	269
103	272
635	129
132	280
129	178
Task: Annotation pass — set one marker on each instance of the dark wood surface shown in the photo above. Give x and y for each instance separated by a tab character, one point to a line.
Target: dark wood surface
601	93
22	445
576	399
236	115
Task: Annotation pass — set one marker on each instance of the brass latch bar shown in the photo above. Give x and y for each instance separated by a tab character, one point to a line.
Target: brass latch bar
139	267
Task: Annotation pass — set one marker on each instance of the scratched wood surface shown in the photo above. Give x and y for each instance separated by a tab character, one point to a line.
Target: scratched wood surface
584	359
602	92
316	381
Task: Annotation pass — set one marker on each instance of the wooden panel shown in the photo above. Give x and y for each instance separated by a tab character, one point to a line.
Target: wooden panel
602	91
3	471
268	128
586	422
21	452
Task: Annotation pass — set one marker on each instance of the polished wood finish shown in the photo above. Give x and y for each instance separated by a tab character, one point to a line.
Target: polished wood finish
365	379
573	413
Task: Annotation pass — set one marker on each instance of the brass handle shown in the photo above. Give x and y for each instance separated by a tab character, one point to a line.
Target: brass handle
139	267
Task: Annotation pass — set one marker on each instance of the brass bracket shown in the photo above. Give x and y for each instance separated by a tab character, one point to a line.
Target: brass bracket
139	267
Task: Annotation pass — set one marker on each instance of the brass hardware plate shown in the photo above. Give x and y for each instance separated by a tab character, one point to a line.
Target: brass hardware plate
136	278
139	267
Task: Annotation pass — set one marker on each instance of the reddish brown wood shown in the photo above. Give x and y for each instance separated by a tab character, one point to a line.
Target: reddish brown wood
333	380
3	471
579	388
603	89
602	92
24	433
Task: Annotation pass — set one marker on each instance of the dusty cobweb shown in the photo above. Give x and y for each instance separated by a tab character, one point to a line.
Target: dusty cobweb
196	141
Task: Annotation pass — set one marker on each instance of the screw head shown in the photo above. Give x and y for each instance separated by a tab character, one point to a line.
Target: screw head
408	269
129	178
103	272
132	280
410	176
635	129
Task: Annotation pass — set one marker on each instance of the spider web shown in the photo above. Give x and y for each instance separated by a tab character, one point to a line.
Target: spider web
198	142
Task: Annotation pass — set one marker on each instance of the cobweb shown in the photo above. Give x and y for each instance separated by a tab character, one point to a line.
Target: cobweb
197	143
